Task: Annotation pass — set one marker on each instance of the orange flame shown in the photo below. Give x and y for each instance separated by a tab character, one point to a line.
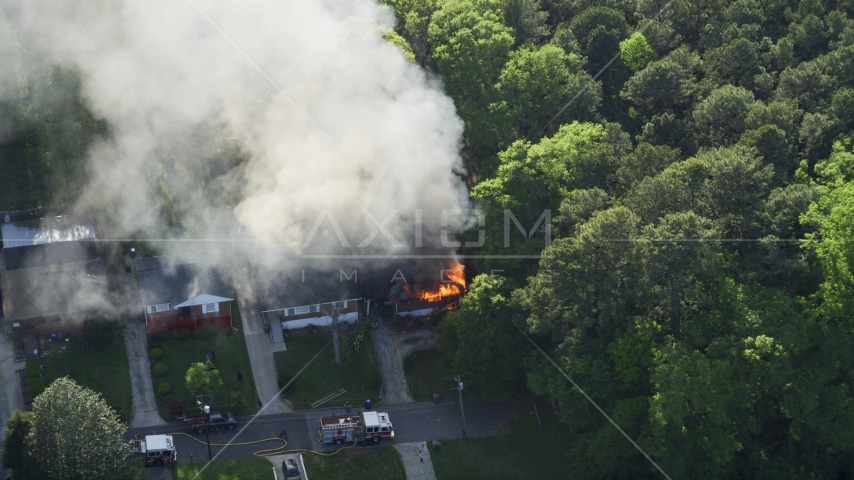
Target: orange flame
453	283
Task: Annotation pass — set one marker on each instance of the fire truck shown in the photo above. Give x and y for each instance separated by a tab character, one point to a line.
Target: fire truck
349	428
158	449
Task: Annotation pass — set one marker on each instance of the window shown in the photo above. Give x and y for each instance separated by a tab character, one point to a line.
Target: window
300	310
149	309
161	307
210	308
314	308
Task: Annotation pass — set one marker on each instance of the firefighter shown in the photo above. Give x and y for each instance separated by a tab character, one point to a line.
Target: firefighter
347	405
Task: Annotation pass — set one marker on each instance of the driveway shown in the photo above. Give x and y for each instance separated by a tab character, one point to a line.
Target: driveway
257	342
391	348
145	412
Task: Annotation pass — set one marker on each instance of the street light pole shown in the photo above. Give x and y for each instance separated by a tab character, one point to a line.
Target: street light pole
462	411
207	430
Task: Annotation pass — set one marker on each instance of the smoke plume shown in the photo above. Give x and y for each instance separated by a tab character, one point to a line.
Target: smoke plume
276	110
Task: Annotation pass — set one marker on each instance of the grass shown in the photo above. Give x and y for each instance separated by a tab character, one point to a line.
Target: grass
104	370
356	464
250	468
525	450
231	357
425	376
360	377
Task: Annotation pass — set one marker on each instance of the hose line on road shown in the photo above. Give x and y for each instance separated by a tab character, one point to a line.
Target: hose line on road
267	451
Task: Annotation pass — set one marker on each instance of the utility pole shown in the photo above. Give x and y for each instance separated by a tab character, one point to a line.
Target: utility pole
207	430
462	411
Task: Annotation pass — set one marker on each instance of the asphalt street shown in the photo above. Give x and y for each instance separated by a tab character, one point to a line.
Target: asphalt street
413	422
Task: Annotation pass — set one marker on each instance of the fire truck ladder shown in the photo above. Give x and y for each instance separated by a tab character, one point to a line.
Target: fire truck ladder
328	398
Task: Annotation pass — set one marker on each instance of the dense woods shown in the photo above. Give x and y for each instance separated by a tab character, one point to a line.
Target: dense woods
697	159
699	282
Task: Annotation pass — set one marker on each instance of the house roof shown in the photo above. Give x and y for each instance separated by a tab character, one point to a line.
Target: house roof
45	230
47	241
54	290
296	286
202	300
175	279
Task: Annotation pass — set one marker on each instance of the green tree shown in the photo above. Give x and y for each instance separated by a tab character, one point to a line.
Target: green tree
833	215
526	19
536	83
14	446
74	434
636	53
664	86
470	45
720	117
839	167
202	381
472	335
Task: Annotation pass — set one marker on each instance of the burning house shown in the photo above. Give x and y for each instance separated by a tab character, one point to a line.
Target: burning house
421	290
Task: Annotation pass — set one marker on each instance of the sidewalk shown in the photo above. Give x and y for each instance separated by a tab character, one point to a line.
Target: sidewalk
257	342
416	461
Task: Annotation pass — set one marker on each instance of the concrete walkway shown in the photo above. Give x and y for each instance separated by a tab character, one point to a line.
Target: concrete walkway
145	412
257	342
10	394
416	461
127	302
391	348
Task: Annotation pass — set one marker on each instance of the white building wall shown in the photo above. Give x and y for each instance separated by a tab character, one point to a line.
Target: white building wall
320	321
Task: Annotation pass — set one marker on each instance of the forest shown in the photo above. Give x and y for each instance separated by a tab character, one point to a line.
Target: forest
697	158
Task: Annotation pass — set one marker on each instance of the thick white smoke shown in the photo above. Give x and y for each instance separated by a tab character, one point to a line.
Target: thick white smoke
354	124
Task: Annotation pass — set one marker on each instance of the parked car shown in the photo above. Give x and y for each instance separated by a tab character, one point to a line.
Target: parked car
217	421
289	466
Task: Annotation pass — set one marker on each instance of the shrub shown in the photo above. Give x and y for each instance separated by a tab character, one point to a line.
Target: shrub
207	332
34	368
164	388
175	406
36	387
100	332
156	353
371	377
183	334
416	323
160	369
397	322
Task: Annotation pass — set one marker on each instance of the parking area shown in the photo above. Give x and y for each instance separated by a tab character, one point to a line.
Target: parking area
279	459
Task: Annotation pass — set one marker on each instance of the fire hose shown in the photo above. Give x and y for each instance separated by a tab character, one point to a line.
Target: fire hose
267	451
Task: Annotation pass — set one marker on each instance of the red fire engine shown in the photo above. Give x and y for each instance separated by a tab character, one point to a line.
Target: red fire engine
350	428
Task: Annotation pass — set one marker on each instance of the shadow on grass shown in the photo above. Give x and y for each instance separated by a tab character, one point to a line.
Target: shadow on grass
360	376
368	463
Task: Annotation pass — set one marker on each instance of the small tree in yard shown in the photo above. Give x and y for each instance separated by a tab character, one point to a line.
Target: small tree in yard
74	434
14	447
201	381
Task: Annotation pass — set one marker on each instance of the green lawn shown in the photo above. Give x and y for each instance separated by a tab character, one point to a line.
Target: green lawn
525	450
425	376
356	464
360	377
104	370
231	357
251	468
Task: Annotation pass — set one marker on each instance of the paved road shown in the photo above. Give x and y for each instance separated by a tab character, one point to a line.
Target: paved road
413	422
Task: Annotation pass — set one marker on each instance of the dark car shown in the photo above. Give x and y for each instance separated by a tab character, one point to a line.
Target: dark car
289	466
218	421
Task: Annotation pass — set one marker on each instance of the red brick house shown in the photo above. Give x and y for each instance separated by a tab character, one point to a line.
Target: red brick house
183	291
